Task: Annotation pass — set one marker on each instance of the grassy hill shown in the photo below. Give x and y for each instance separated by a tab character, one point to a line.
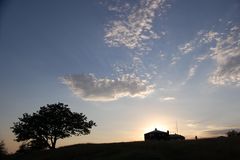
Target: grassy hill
202	149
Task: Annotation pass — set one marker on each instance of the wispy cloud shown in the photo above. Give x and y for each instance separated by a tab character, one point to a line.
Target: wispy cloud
175	59
90	88
226	54
120	8
202	58
192	125
223	49
202	38
186	48
192	71
208	36
220	132
133	29
167	98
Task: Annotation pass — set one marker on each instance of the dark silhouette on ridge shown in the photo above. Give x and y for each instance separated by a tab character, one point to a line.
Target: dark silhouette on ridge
3	152
233	133
156	135
43	128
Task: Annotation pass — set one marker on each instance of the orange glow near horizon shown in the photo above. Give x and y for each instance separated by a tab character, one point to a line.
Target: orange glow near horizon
161	123
158	126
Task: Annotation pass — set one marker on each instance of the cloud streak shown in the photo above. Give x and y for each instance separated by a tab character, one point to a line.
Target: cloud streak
220	132
192	71
167	98
186	48
90	88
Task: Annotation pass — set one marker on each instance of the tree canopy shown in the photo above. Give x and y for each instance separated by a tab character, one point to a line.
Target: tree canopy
43	128
233	133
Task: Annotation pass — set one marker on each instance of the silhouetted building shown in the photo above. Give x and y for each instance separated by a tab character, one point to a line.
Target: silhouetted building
176	137
160	135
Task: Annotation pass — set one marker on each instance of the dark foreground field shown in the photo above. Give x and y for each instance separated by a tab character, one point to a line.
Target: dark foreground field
203	149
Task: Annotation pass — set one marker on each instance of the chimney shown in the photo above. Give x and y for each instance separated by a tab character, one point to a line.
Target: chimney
167	132
155	129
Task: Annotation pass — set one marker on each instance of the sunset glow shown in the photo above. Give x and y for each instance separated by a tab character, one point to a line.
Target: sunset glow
130	65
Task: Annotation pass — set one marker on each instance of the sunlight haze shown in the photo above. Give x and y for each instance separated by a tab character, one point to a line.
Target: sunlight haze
130	66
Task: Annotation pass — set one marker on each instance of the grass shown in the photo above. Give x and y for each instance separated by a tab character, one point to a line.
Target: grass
202	149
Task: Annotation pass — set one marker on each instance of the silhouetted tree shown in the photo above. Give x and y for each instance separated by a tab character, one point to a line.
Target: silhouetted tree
35	144
52	122
233	133
3	152
24	148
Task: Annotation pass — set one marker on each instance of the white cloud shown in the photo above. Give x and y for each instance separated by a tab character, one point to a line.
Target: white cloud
174	59
90	88
162	56
191	125
186	48
224	51
209	37
202	38
119	8
226	54
192	71
132	30
167	98
202	58
137	61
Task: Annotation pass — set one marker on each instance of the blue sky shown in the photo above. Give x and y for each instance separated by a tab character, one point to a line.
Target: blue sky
131	66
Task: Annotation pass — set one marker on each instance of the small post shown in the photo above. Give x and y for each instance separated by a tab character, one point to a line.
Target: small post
176	127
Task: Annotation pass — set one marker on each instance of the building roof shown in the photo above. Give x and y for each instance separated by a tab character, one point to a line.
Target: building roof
156	131
175	135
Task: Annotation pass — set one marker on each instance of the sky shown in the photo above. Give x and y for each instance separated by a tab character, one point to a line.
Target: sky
131	66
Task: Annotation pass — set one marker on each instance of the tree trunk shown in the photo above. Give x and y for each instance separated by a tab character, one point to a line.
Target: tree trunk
53	143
